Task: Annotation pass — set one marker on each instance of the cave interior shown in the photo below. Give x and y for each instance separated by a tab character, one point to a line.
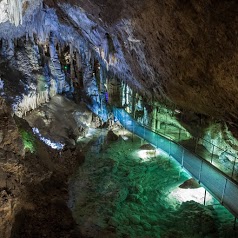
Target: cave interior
110	113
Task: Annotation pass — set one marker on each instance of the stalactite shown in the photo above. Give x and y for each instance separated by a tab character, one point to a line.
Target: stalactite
72	73
33	55
55	68
79	68
15	11
53	88
59	50
31	102
105	46
78	61
40	29
101	85
10	48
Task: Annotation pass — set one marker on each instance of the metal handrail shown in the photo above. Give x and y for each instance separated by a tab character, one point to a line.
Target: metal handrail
198	138
164	104
221	193
192	152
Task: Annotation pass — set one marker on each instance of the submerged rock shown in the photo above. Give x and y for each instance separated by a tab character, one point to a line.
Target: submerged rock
111	136
147	147
190	183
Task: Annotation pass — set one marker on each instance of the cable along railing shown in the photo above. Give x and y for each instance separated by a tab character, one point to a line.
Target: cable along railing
219	184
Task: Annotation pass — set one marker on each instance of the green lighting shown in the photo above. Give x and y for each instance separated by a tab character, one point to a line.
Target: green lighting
65	67
28	141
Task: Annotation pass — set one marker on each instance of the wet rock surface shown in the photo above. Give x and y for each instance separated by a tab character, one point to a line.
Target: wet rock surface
33	186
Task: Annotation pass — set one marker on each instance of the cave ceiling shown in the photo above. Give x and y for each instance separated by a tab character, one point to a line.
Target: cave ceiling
183	50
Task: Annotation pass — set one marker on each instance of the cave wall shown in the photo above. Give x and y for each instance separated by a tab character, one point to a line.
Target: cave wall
184	50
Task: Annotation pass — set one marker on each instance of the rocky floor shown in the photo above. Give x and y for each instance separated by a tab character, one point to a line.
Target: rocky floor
121	192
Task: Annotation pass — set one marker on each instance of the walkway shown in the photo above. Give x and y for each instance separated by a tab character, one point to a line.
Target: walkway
223	188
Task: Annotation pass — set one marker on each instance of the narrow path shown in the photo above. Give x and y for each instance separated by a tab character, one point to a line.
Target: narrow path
223	188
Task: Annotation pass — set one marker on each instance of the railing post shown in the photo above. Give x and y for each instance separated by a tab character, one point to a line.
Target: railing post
165	126
181	163
223	193
169	160
199	177
133	130
157	142
144	126
204	201
233	169
123	120
179	173
169	148
212	152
